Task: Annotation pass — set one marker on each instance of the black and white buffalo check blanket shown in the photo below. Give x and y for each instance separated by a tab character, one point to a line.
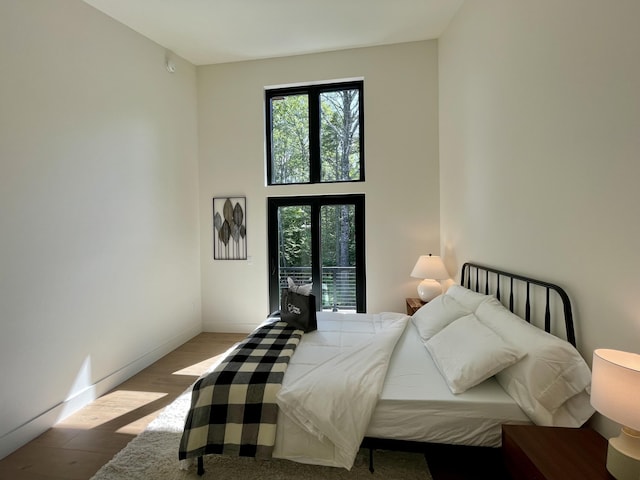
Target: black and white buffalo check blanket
233	408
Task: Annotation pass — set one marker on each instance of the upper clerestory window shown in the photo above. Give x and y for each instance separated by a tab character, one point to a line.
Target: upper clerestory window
315	133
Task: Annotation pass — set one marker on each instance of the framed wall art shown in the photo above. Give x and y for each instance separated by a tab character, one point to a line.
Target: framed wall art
229	228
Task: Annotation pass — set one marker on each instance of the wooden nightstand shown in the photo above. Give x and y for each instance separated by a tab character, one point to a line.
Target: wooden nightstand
413	304
550	453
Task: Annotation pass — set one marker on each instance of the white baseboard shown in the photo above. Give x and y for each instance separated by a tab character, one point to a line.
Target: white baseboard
23	434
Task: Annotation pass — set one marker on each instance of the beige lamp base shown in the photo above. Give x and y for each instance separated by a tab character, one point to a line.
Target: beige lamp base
429	289
623	455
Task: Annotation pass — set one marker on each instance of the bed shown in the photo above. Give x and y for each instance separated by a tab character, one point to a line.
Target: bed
453	373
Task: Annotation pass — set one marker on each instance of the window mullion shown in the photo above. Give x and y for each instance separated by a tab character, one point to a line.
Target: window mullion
314	135
272	240
361	302
268	137
316	254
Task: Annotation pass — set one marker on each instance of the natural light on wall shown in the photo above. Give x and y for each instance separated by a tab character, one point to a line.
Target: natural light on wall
82	390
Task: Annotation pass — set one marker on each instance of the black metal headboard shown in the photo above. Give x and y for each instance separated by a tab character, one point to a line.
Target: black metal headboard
473	276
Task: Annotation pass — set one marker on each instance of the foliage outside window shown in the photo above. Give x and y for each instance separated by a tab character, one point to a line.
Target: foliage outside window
315	134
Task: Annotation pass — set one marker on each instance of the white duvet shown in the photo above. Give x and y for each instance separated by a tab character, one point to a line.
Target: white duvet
332	385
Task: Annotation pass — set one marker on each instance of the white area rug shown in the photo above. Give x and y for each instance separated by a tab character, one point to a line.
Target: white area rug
153	455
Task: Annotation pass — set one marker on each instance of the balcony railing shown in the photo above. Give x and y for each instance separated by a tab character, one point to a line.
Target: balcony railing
338	285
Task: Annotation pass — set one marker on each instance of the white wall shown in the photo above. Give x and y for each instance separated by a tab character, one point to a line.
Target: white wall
401	165
99	245
539	149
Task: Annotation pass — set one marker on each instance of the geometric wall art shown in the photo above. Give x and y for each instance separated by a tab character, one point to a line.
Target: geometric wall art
229	228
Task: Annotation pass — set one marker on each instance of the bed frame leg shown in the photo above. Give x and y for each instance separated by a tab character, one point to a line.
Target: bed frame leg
371	459
200	466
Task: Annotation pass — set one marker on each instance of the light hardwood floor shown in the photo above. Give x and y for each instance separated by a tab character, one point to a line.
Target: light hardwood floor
76	448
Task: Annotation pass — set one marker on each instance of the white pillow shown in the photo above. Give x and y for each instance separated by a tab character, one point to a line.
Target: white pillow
552	373
301	289
467	352
467	298
437	314
574	412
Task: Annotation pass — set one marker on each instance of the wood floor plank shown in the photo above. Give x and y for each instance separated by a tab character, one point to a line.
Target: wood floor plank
52	462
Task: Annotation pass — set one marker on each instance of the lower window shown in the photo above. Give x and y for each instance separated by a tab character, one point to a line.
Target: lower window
318	239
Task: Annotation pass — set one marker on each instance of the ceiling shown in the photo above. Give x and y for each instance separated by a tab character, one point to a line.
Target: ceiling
219	31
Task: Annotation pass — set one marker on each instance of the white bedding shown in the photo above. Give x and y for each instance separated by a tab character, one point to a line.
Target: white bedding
332	386
416	404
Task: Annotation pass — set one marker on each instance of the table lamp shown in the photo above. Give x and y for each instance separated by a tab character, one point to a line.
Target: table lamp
431	269
615	393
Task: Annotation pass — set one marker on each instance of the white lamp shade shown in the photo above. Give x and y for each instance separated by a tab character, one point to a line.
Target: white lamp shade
615	386
430	266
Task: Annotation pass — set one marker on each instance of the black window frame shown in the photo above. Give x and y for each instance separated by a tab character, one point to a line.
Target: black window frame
316	202
313	92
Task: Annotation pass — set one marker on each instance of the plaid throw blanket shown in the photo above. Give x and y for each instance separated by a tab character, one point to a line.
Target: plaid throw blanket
233	408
